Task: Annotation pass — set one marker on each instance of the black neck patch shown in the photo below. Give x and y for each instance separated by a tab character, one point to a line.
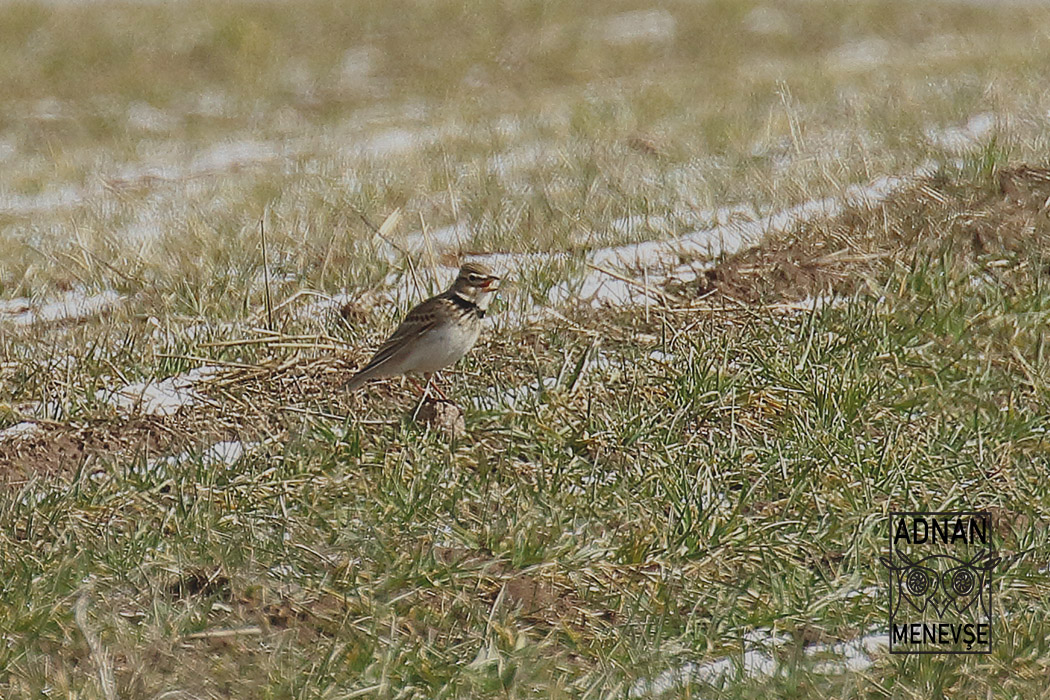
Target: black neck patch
467	305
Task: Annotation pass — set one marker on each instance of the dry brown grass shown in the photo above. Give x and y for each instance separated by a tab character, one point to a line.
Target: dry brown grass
640	491
847	255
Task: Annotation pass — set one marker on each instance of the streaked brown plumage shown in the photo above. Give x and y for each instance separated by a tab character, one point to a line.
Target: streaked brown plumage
437	332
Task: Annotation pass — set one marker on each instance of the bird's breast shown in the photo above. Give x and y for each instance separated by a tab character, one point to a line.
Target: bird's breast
442	347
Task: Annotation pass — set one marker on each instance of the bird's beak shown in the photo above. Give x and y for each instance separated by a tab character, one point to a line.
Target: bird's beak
491	282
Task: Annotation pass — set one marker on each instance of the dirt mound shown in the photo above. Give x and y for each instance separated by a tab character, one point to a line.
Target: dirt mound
243	404
1001	217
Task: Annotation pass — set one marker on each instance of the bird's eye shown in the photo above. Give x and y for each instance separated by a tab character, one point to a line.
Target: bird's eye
474	277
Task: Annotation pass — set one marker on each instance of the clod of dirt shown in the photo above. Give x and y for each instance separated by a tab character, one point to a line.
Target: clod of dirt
197	581
443	416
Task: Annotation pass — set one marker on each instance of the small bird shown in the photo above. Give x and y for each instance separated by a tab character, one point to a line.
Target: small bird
437	332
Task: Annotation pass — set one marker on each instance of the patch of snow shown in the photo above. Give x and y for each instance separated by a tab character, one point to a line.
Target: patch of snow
861	55
522	157
227	452
322	307
657	223
687	272
20	431
163	398
74	305
45	201
653	26
221	454
7	148
393	142
600	288
752	664
856	654
513	397
222	157
959	140
48	109
357	66
769	21
667	224
735	229
144	116
198	331
757	662
600	479
143	231
232	155
211	103
813	303
14	306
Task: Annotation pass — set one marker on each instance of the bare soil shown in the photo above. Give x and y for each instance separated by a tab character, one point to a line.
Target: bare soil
844	254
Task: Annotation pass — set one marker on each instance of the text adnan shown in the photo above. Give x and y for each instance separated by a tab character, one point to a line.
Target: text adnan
948	530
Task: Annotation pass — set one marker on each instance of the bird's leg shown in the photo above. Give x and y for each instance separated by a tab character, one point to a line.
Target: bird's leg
425	388
425	391
432	382
422	395
416	386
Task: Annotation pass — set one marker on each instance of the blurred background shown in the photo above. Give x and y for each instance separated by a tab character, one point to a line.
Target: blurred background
154	135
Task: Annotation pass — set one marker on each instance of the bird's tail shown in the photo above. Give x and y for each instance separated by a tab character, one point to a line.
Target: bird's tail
376	367
357	381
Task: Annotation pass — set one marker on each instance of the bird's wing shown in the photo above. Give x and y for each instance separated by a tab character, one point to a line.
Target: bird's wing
417	322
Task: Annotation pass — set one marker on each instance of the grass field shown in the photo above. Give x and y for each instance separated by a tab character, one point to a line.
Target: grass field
772	270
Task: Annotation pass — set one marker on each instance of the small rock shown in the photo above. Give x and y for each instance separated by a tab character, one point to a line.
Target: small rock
443	416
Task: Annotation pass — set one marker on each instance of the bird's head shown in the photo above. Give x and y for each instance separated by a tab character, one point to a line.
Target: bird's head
476	283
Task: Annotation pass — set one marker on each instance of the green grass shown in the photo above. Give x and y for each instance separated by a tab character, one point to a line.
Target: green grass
586	539
640	514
